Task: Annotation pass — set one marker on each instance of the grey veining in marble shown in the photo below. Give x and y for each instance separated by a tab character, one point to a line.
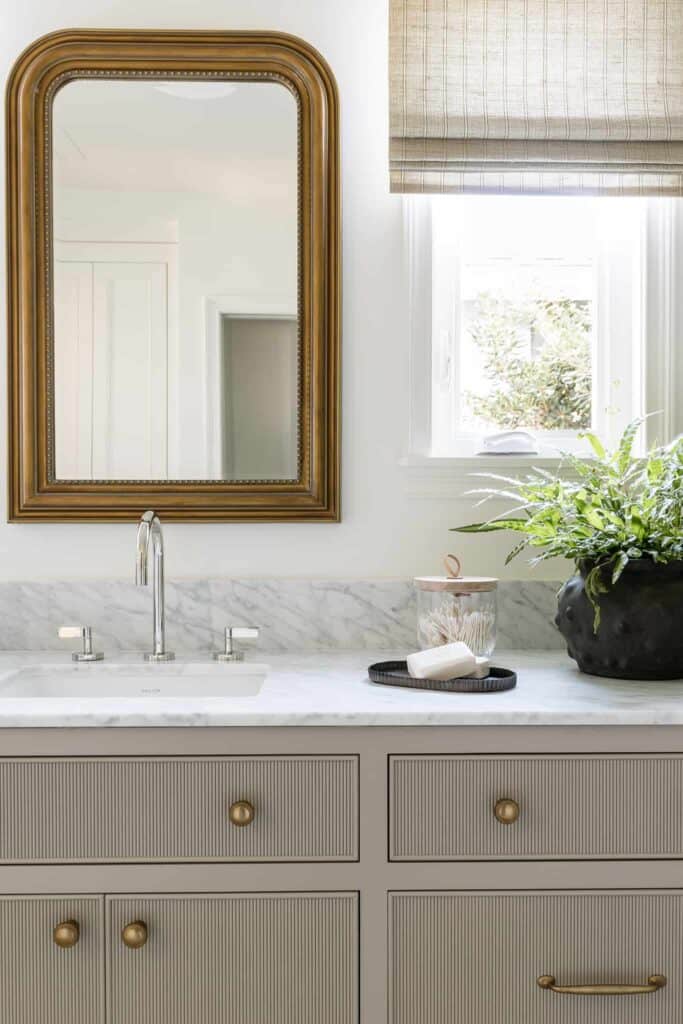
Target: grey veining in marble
318	615
526	613
293	614
333	689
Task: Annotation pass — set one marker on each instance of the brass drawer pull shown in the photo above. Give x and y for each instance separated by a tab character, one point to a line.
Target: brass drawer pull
135	935
506	811
66	934
241	813
654	983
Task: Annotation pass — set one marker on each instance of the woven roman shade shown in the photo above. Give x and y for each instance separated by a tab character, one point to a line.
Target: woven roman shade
529	96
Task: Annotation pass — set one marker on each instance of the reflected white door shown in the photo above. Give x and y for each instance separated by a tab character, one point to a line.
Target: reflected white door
112	361
130	357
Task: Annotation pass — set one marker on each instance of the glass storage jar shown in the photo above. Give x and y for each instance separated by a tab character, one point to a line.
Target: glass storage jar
457	608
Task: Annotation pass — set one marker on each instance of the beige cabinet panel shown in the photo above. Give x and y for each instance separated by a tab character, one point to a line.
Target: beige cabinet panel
41	983
475	958
592	806
235	959
127	809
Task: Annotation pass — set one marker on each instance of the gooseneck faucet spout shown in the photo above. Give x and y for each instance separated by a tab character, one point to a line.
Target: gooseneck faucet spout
150	529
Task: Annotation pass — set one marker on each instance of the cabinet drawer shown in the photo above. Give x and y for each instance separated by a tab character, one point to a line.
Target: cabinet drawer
477	957
443	808
162	809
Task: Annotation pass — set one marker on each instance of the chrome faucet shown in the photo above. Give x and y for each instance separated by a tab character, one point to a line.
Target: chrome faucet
150	526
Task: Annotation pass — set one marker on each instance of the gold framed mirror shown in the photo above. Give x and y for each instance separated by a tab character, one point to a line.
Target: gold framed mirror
174	262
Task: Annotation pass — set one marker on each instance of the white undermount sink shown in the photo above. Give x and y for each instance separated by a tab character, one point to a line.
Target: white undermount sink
106	681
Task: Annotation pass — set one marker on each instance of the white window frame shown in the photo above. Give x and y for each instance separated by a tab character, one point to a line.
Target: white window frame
654	314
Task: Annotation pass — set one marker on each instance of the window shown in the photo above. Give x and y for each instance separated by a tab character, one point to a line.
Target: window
549	314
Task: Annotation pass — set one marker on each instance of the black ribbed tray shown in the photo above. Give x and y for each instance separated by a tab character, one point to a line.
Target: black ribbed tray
395	673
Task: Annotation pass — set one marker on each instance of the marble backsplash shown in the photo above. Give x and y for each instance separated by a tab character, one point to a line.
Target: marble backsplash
292	614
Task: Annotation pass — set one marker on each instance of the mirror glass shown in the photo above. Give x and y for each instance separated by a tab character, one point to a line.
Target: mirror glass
175	270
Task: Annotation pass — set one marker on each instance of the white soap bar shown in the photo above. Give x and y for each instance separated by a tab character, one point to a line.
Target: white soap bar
450	661
483	668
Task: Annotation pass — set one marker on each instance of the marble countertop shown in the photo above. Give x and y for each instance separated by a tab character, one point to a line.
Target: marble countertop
333	689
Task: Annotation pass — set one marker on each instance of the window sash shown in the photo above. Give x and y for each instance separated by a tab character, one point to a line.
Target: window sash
653	318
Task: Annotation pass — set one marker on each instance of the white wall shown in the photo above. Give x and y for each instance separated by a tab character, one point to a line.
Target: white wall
392	524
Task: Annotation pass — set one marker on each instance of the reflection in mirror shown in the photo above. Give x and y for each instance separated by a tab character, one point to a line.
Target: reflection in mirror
175	224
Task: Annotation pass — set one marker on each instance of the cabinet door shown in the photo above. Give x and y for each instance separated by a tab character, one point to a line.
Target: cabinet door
235	959
40	981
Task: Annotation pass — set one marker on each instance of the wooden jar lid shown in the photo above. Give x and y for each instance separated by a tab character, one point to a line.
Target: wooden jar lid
457	584
454	583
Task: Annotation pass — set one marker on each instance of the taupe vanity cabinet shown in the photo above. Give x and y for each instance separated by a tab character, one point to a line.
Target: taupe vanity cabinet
348	875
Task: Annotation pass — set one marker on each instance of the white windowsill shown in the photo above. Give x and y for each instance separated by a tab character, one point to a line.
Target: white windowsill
453	476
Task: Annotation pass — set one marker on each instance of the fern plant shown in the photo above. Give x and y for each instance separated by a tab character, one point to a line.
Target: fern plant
613	509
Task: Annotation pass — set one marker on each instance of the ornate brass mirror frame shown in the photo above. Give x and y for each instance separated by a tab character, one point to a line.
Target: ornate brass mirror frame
34	493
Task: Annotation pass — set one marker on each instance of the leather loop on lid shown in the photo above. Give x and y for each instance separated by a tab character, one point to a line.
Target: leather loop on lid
453	566
454	582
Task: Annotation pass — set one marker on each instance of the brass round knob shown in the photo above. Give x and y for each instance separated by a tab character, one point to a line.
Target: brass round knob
241	813
134	935
66	934
506	811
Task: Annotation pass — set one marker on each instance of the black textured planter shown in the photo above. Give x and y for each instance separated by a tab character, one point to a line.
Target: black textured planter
641	623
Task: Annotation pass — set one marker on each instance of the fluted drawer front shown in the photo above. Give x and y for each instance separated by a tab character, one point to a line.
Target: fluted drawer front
305	808
236	959
41	983
612	806
475	958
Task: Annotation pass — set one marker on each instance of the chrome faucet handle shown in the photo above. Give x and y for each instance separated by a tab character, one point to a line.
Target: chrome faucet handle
83	633
233	633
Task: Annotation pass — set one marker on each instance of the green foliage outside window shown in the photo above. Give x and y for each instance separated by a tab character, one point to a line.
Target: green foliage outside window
537	357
